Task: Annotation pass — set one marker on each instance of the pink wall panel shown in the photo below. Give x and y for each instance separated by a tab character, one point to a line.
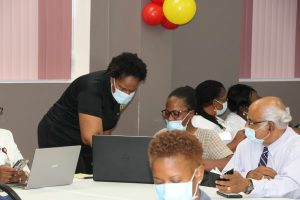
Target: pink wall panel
18	43
273	38
55	39
297	54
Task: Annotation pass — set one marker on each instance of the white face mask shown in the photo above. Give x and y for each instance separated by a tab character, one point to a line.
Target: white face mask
177	191
177	124
120	96
222	111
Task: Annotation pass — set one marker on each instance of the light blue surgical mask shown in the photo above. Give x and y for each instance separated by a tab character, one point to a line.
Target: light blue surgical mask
120	96
177	124
250	134
222	111
176	191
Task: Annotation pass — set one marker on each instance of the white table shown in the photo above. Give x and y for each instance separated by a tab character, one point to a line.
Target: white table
212	193
87	189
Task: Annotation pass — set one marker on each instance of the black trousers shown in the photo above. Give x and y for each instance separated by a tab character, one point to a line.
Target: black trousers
47	137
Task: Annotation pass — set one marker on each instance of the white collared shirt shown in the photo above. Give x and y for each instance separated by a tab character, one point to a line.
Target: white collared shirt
13	154
235	122
283	157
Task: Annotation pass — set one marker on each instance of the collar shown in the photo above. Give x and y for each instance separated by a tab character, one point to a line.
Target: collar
220	120
200	122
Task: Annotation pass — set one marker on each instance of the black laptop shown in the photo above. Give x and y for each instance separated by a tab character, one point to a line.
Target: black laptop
121	159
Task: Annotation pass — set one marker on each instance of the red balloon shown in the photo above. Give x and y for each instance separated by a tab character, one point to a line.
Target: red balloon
168	25
152	14
160	2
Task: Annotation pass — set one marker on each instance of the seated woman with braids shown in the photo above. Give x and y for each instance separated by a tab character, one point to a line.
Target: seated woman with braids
211	100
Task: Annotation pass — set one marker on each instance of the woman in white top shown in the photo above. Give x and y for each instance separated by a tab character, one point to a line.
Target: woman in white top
211	99
9	155
240	97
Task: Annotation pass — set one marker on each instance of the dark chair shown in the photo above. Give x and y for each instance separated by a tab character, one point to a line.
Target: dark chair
10	192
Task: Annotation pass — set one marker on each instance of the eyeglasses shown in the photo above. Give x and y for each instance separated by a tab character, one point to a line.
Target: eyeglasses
251	123
175	113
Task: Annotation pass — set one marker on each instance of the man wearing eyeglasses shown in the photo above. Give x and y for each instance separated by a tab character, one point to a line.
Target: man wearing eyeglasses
266	163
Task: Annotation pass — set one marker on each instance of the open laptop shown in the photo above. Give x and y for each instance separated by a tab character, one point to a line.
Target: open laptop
121	159
53	167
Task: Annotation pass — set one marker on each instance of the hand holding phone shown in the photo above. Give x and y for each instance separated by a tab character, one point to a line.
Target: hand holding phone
20	164
230	172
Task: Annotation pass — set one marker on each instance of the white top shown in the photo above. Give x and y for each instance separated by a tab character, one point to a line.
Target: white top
284	158
200	122
13	154
235	122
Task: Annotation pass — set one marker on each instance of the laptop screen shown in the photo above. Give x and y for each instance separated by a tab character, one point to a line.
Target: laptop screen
121	159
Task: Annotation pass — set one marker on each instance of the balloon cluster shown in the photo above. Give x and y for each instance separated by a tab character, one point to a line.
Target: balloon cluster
169	13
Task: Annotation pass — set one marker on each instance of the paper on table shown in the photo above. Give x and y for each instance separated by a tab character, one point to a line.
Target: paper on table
83	176
216	171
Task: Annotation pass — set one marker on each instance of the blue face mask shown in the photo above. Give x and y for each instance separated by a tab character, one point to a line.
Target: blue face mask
176	124
120	96
176	191
250	134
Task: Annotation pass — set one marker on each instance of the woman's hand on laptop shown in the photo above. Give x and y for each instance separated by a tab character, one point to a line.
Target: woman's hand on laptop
20	177
6	173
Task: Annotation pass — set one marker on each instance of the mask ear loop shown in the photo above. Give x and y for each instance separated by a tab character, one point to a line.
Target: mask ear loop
261	128
195	196
215	109
185	118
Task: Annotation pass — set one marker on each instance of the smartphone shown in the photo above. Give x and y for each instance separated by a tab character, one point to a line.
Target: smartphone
20	164
229	195
229	172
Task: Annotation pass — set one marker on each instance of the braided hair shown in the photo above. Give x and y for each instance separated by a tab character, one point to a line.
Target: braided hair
206	92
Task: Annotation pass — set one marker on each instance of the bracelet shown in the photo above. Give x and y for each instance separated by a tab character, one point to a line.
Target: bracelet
250	187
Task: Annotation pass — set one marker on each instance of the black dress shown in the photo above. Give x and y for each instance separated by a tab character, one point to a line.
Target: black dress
89	94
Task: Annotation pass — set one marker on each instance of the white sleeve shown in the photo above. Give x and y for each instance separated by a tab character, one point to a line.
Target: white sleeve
235	161
287	181
15	152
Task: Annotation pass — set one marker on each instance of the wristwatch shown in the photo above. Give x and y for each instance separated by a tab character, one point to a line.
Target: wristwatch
250	187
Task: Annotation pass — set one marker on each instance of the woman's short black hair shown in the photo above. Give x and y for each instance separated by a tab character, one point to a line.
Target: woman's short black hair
239	96
206	92
127	64
187	94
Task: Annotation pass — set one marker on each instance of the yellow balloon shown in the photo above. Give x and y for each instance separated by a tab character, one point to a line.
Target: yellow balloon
179	11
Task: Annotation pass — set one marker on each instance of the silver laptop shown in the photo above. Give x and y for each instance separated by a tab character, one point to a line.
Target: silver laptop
53	167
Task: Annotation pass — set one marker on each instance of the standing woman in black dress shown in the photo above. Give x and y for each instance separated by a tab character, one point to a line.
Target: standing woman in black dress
91	105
